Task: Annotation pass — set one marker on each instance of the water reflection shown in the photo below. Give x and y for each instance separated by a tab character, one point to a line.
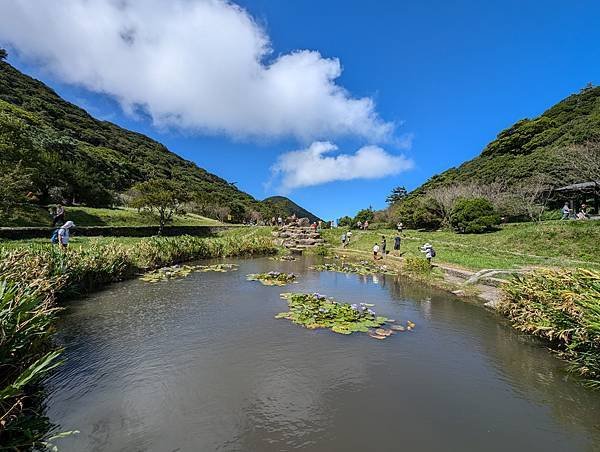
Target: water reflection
201	364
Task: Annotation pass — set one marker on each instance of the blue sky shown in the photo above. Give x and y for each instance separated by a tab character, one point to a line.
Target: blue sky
450	75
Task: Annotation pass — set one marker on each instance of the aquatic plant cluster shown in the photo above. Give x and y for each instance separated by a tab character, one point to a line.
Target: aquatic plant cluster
562	306
273	278
318	311
361	268
30	281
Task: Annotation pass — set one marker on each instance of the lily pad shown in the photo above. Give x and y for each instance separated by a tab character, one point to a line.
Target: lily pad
318	311
220	268
360	268
273	278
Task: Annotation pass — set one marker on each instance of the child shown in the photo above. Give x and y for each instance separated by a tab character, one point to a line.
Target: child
375	251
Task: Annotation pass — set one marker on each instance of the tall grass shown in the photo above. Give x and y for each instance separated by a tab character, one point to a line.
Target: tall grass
31	280
562	306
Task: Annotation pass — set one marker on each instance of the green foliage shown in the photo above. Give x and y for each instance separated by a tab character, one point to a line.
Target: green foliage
397	194
364	215
474	215
317	311
160	197
417	213
413	264
361	268
3	54
14	184
345	221
563	307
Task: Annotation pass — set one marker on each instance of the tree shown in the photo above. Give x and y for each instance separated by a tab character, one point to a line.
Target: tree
3	54
473	215
364	215
397	194
160	197
14	185
344	221
584	160
532	195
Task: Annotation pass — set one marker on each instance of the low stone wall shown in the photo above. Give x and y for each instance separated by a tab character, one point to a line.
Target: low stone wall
112	231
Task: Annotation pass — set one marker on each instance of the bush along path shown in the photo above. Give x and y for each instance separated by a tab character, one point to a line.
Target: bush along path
32	279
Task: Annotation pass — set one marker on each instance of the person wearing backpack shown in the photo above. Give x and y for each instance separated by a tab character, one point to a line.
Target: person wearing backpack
429	252
63	235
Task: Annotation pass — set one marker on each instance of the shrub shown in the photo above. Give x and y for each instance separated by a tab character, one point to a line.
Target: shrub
416	265
474	215
417	213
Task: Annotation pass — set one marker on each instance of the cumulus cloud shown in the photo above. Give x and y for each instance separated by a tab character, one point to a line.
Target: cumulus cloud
311	166
202	65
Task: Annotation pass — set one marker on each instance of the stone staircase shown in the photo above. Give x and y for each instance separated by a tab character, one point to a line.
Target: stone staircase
297	238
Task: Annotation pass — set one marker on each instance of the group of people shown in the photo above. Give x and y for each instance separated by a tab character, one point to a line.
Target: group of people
583	213
383	248
61	235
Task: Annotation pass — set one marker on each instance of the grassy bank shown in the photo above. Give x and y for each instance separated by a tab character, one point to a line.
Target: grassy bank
31	215
33	276
562	306
548	244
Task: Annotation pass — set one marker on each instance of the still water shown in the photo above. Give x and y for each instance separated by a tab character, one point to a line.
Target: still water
201	364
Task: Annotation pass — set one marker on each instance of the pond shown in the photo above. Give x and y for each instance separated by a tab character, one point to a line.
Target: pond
201	364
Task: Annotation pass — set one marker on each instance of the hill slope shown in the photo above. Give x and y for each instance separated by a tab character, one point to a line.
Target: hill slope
286	207
71	155
529	146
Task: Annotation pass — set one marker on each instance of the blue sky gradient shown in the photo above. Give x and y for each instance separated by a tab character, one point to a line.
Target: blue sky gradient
453	74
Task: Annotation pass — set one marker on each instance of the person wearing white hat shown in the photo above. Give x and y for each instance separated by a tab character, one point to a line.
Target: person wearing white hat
429	251
64	234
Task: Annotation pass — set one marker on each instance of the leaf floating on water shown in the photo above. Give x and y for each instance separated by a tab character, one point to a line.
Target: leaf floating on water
397	327
273	278
410	324
318	311
220	268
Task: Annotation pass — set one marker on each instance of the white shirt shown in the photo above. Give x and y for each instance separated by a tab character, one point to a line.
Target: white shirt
376	249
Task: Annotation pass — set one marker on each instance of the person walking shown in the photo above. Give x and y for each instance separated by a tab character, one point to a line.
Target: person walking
349	236
566	212
59	215
64	234
366	225
383	245
397	243
344	239
375	252
359	225
399	227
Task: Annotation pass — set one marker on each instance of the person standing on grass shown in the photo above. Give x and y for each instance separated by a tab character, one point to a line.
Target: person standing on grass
358	225
348	237
383	245
400	227
366	225
59	215
566	211
64	234
397	243
429	252
375	252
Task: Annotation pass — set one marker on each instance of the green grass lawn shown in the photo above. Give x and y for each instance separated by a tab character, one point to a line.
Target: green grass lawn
518	245
89	216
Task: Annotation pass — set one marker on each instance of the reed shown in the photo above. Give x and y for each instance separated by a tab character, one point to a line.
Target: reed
562	306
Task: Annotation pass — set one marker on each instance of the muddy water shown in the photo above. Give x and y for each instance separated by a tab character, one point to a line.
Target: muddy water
200	364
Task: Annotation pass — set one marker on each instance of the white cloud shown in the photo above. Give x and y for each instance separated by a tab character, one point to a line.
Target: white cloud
202	65
311	166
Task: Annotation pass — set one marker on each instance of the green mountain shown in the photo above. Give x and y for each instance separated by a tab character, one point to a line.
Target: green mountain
530	146
71	155
286	208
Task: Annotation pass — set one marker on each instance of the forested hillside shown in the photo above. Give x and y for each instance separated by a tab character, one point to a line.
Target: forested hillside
69	155
531	146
